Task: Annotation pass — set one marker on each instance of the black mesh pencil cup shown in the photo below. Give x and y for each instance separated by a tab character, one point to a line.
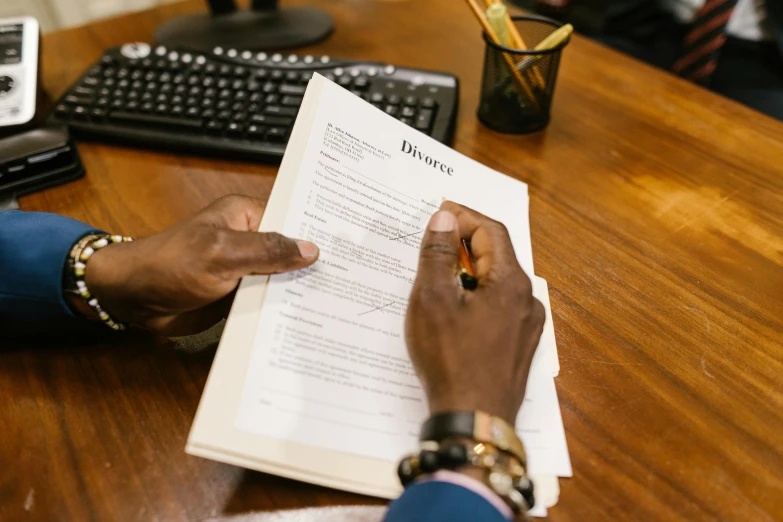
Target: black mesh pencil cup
517	88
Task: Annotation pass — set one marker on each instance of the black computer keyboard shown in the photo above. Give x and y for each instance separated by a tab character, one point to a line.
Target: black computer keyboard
236	103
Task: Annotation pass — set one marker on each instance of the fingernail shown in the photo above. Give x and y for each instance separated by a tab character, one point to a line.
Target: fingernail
307	249
442	221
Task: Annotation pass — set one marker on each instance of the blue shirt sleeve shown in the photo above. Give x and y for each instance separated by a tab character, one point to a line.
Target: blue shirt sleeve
442	502
34	247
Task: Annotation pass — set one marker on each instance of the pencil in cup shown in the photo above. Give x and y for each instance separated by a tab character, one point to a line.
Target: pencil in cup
526	60
513	38
502	106
524	88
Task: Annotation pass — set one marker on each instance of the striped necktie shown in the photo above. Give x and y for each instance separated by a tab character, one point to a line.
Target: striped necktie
699	54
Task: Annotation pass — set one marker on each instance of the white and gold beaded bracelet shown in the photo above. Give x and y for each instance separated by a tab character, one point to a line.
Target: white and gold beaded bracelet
75	286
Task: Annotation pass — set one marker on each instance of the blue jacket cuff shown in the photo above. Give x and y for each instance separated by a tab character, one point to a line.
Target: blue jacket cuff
34	247
442	502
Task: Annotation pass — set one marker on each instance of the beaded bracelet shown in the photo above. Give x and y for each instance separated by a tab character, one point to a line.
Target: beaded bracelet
505	474
77	264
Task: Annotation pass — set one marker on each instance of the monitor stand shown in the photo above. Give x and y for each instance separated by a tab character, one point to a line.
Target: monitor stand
258	30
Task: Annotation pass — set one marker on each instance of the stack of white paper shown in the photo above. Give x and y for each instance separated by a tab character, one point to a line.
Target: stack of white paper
312	378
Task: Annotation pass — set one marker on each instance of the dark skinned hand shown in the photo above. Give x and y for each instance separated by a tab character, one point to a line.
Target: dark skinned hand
182	280
472	350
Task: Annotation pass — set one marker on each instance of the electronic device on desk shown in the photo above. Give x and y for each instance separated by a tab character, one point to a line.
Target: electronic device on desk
236	102
19	78
263	27
37	159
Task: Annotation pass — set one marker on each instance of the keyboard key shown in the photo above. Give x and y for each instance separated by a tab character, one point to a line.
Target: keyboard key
84	91
98	113
166	88
214	127
376	97
276	134
208	113
275	110
361	83
239	116
146	107
222	105
145	119
131	105
423	120
241	95
237	84
292	76
295	101
237	106
177	110
277	74
297	90
271	120
161	98
225	70
62	110
408	112
224	115
162	108
234	129
80	112
428	103
406	121
192	101
225	94
222	83
344	80
306	76
391	110
194	91
256	131
269	87
193	112
147	96
240	72
73	99
102	102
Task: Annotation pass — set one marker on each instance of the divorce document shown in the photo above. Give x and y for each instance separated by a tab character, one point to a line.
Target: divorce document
329	366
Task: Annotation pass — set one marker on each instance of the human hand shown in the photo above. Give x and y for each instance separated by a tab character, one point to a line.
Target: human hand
182	280
472	349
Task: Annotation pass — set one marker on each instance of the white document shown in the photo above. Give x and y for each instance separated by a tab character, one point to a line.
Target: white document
329	366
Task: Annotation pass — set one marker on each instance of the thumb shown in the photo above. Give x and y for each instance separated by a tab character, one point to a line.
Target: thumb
266	253
439	252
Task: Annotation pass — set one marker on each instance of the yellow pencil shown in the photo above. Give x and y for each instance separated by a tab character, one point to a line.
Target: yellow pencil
512	67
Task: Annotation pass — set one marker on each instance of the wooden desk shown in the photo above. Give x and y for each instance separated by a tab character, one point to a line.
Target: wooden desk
656	218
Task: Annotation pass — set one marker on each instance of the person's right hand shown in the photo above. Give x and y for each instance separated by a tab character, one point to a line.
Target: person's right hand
472	349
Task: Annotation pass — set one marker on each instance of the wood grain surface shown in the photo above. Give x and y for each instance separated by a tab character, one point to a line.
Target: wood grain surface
657	218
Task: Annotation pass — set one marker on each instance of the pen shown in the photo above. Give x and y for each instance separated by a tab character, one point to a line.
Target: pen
466	272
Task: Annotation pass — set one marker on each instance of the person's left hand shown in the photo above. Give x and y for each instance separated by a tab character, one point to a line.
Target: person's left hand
182	280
